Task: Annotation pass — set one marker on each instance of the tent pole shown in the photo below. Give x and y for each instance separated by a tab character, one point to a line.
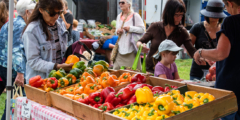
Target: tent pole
9	60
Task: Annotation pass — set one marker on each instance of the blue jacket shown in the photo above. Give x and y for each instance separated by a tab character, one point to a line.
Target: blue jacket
40	53
18	56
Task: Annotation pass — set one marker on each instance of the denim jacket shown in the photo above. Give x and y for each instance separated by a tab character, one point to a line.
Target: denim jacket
40	53
18	56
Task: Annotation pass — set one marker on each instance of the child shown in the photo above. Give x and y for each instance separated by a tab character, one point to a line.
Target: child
75	33
166	67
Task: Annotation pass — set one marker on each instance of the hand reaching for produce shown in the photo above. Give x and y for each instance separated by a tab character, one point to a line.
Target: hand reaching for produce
144	48
66	67
126	28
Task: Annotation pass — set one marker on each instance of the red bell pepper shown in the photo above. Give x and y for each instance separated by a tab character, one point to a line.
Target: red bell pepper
52	83
168	88
95	98
119	105
131	86
125	101
97	105
114	98
132	100
106	107
36	81
138	78
157	88
83	100
126	93
106	91
141	86
157	93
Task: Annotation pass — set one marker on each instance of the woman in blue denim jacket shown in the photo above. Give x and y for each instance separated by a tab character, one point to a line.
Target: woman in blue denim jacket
45	40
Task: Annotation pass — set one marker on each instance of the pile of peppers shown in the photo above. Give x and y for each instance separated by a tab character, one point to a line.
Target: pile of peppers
150	107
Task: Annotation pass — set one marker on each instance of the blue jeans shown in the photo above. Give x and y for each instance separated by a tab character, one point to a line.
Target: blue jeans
3	75
233	116
194	77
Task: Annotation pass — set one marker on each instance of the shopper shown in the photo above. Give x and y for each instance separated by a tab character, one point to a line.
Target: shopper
166	67
24	8
170	28
106	43
75	33
126	50
3	14
68	21
45	40
203	34
226	53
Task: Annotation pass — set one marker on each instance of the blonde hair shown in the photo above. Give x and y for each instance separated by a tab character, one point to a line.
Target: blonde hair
130	2
75	23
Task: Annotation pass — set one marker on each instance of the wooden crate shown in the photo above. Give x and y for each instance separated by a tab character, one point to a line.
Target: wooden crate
87	112
224	104
37	95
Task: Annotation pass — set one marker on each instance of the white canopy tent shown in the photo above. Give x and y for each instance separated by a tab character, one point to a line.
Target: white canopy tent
9	62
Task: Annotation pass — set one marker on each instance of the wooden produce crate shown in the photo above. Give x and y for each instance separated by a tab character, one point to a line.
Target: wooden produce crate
224	104
87	112
37	95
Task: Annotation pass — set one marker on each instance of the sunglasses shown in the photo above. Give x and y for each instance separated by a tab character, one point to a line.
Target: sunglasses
122	3
54	13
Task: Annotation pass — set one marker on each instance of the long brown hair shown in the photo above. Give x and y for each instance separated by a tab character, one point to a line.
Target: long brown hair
49	5
3	14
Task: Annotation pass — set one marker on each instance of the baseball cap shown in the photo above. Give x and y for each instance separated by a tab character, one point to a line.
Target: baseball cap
95	46
167	45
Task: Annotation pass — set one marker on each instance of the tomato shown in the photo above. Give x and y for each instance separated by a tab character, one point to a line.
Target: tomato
212	70
209	77
214	77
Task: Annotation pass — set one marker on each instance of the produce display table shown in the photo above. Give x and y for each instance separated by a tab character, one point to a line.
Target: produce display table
89	42
40	112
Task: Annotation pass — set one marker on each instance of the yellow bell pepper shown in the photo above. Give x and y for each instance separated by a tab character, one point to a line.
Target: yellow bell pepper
150	115
128	115
162	117
163	104
116	112
198	96
144	95
140	111
138	118
205	98
191	103
178	109
63	82
173	92
189	95
133	108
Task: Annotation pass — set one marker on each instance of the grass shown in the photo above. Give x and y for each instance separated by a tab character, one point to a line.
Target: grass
183	66
2	103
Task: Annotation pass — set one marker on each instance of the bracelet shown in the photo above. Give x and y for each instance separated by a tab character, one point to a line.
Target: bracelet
200	52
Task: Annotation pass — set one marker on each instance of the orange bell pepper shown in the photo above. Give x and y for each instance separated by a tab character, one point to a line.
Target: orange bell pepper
112	80
104	79
70	90
99	87
71	96
62	92
125	77
76	97
84	76
90	88
72	59
87	80
79	90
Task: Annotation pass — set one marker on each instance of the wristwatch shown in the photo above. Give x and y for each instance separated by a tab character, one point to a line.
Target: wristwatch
200	52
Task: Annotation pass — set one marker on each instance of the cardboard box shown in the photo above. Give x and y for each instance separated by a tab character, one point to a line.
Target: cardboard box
37	95
224	104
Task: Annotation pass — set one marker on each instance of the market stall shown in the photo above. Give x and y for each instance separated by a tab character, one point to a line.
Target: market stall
99	93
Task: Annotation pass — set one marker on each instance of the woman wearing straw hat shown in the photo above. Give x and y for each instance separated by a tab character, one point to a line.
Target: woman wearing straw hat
226	54
203	34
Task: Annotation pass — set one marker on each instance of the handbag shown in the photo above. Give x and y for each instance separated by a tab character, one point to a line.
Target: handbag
115	49
135	37
13	111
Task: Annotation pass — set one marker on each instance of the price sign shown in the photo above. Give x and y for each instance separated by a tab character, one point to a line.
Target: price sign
26	109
